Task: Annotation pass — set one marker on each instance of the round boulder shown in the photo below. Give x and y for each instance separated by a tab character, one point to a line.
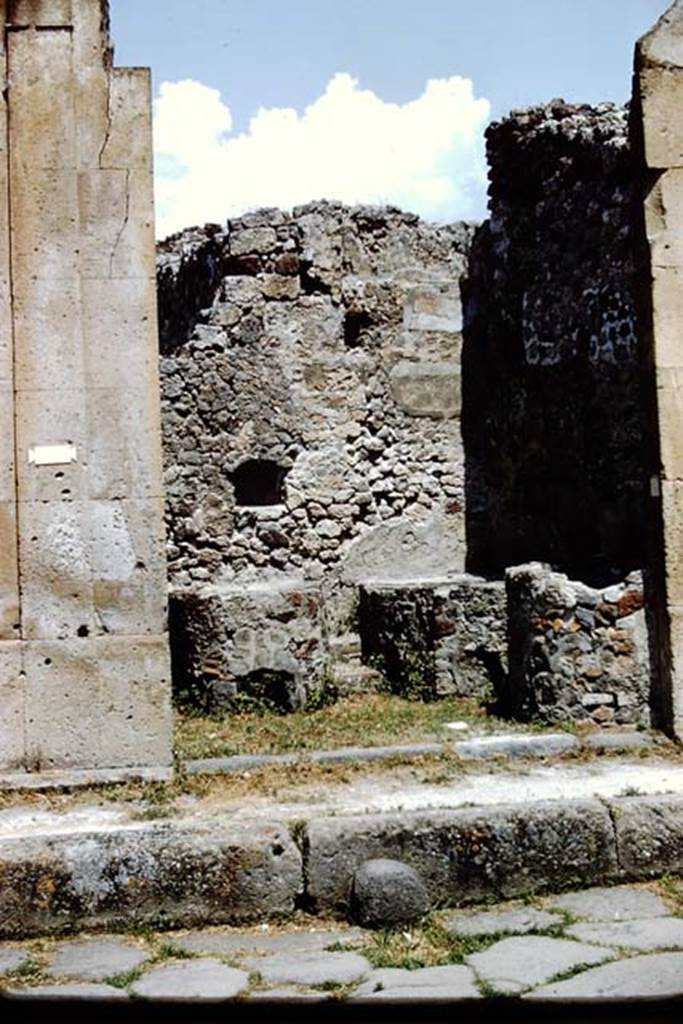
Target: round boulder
387	893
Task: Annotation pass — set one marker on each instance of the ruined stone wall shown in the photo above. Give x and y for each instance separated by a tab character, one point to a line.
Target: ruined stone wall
311	403
552	405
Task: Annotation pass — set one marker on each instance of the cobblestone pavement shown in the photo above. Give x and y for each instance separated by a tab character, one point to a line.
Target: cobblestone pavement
619	943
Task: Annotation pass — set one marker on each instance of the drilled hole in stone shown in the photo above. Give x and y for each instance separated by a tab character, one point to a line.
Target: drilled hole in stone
83	631
48	661
259	482
59	476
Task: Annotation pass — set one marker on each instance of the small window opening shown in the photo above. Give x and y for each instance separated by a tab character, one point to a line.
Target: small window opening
259	482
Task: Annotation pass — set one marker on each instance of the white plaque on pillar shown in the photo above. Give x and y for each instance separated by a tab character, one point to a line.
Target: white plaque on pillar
53	455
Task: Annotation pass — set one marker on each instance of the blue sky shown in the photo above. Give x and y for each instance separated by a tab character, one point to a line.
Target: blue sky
376	132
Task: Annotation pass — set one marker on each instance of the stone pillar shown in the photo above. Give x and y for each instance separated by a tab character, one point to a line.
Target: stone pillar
658	134
84	662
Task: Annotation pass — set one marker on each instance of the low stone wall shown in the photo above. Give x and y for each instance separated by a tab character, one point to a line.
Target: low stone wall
576	654
436	638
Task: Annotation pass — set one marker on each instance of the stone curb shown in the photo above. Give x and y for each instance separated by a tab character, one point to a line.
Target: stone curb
213	872
511	745
174	875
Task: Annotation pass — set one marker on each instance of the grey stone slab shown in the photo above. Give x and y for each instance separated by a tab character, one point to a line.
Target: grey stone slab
230	942
95	960
81	778
619	903
354	754
659	975
75	992
176	868
11	958
426	983
611	741
468	853
643	935
312	968
513	745
237	763
517	922
515	964
201	980
649	832
287	995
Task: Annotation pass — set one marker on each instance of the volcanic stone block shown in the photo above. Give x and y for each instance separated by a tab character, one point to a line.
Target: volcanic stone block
466	855
261	642
149	875
576	653
387	893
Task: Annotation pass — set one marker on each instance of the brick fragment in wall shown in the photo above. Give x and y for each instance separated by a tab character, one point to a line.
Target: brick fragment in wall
576	653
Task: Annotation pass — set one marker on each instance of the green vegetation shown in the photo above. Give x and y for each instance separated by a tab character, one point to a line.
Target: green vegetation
367	720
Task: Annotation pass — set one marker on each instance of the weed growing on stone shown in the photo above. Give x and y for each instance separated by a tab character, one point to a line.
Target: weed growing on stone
30	973
672	888
428	944
126	978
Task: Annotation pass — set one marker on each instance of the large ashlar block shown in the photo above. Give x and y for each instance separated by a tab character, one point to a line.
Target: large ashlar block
56	573
117	223
12	702
664	220
672	510
670	411
667	316
128	566
43	115
119	328
46	420
676	638
661	93
130	112
7	476
10	616
109	696
124	448
45	240
48	337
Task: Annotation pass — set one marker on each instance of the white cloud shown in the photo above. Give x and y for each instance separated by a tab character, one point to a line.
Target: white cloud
426	155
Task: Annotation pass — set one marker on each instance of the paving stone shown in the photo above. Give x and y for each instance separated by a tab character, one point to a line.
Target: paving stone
520	922
426	983
312	968
230	942
11	958
287	995
203	980
618	741
54	992
619	903
645	935
95	960
515	964
659	975
387	893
